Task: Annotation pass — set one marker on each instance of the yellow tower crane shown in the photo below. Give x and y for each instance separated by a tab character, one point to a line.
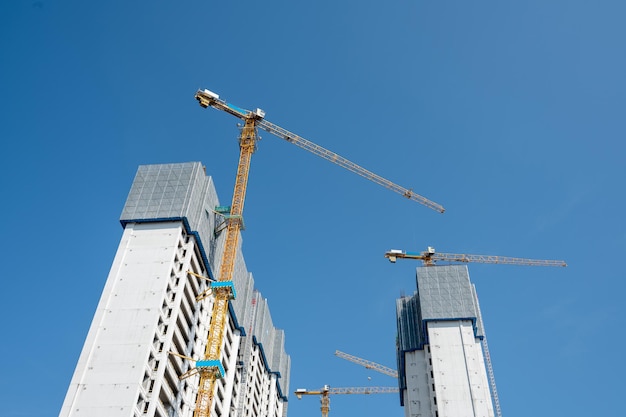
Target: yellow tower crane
368	364
429	257
211	368
326	391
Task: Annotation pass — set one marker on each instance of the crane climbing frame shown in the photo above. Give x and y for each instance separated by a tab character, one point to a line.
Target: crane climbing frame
211	368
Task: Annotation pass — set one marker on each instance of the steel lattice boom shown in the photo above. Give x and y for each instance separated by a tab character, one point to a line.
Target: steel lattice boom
367	364
430	257
326	391
208	98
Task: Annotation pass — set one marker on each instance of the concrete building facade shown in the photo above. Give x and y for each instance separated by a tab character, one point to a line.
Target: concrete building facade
441	363
148	309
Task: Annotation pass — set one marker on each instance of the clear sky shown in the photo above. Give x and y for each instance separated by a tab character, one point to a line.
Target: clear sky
508	113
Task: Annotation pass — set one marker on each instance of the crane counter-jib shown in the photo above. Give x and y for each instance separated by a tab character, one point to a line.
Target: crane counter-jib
208	98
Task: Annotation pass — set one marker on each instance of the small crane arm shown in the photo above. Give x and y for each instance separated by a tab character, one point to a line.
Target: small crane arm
326	391
368	364
430	257
491	259
348	390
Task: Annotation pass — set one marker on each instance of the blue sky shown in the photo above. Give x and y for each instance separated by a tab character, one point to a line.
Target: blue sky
510	114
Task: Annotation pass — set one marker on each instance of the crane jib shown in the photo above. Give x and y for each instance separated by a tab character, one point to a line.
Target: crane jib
209	98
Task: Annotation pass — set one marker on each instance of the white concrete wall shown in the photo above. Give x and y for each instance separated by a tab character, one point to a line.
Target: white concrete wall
459	374
147	309
111	366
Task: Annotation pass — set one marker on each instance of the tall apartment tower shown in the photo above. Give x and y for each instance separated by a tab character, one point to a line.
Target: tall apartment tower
148	309
441	364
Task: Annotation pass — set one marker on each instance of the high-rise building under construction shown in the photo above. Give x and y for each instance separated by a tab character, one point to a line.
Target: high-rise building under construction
148	318
443	359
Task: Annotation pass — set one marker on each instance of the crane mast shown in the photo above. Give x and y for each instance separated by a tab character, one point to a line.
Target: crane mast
211	368
223	294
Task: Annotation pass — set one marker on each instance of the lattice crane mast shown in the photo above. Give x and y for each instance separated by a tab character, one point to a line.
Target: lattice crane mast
211	368
429	257
368	364
326	391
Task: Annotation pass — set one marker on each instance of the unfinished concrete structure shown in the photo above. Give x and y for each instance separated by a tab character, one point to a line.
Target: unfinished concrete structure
148	309
442	370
